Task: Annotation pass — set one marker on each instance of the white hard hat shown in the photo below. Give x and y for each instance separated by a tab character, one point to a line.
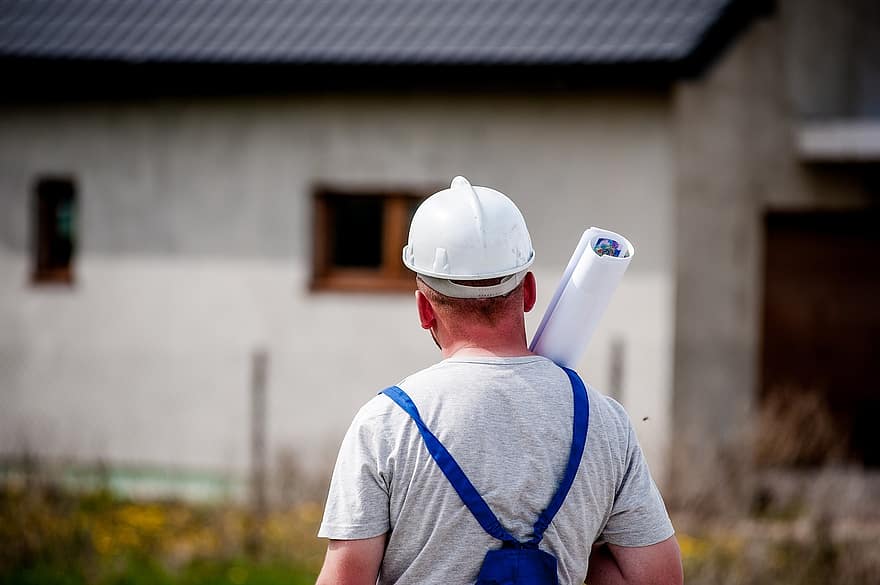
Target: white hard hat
468	233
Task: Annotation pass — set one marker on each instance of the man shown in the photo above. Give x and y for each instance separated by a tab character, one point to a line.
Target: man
505	415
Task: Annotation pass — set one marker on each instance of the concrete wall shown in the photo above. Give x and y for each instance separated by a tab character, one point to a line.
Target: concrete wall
194	249
735	156
832	56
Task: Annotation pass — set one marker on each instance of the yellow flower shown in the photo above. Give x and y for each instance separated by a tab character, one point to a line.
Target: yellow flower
692	547
237	575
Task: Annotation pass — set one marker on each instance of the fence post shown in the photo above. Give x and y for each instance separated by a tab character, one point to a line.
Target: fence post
259	504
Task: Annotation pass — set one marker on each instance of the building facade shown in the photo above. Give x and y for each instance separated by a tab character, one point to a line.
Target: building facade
172	211
195	240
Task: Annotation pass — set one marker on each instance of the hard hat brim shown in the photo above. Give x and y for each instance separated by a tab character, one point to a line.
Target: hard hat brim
455	290
407	261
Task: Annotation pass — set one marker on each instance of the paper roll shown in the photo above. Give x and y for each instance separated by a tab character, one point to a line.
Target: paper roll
589	280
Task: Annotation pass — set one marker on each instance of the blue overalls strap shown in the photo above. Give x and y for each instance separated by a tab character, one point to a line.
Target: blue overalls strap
466	490
463	486
578	441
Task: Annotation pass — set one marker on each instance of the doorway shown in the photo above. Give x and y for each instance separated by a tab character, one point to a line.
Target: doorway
820	394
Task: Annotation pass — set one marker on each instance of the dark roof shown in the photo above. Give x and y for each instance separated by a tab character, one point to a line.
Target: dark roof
358	32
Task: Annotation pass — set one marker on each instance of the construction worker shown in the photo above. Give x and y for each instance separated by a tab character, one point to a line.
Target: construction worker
504	415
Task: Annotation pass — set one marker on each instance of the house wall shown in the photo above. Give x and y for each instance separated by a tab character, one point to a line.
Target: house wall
830	50
194	241
736	159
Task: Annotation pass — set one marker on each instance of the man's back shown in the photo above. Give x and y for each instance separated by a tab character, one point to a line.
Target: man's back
508	423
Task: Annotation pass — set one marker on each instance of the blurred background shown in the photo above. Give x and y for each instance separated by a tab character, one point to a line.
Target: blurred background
202	207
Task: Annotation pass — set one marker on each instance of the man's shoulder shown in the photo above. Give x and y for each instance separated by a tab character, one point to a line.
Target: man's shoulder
608	405
537	369
379	408
435	381
375	412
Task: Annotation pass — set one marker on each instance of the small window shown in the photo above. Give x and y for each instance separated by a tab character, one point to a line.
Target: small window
55	210
359	237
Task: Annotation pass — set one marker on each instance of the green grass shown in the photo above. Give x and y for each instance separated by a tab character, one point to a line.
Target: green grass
53	537
149	572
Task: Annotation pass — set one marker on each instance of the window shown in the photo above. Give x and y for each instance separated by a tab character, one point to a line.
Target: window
55	241
359	236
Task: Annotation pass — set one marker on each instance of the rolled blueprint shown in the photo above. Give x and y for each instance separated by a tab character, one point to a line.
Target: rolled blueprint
593	273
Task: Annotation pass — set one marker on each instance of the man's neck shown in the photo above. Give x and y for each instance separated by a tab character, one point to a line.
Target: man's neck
464	348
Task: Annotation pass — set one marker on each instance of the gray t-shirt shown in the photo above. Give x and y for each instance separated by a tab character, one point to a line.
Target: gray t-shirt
508	423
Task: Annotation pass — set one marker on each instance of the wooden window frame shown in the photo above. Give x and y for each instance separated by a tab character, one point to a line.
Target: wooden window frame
43	274
392	275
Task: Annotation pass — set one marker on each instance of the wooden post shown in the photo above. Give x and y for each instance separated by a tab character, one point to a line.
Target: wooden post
616	369
259	505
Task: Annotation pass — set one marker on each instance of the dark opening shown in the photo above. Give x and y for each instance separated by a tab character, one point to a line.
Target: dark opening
55	230
358	237
820	393
357	231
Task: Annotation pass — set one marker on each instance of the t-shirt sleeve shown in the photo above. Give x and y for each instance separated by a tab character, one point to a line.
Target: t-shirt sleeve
357	503
638	516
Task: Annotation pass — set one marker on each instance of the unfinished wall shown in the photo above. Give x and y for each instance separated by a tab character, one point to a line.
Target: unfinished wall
736	159
194	250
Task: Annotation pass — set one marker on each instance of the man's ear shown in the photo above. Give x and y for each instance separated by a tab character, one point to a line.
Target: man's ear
427	316
530	292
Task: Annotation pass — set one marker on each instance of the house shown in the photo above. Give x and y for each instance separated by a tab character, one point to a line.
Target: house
203	207
777	328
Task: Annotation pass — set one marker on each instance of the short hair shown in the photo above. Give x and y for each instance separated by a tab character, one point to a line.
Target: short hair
487	310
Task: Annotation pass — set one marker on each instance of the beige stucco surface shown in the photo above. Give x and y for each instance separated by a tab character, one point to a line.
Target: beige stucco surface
194	226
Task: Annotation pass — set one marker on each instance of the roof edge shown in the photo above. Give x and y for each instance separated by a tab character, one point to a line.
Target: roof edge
734	19
53	81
